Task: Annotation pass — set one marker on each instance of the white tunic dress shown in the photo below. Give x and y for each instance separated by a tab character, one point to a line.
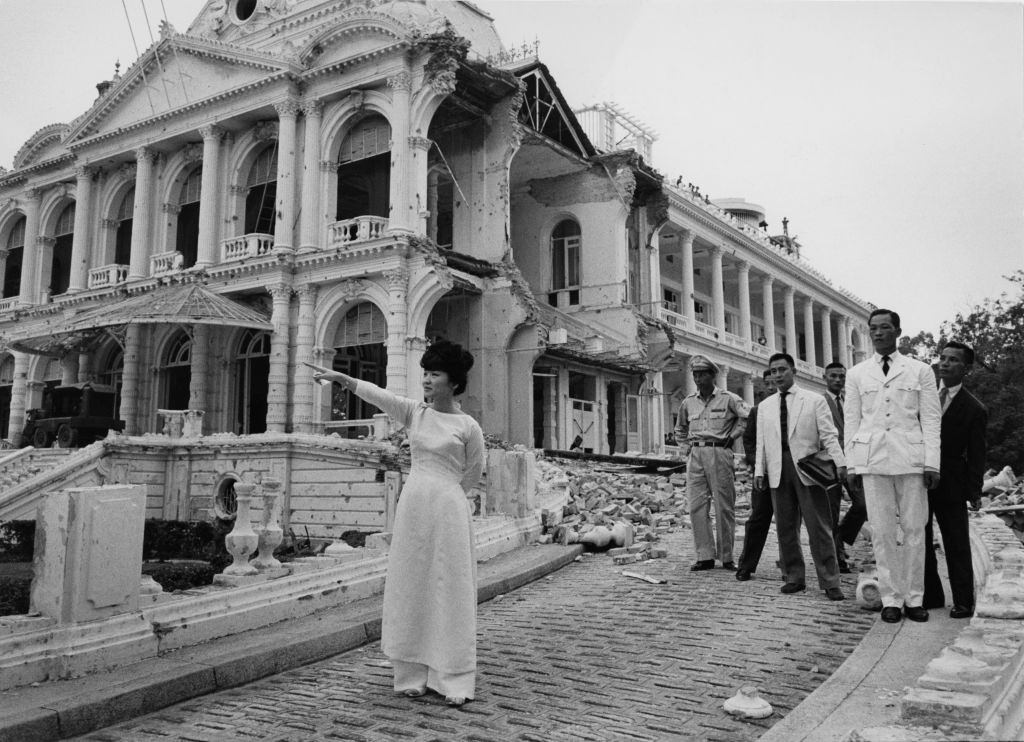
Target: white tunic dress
429	612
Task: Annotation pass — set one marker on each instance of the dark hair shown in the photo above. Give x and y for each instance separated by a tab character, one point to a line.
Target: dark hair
766	373
782	357
835	364
450	358
892	315
968	350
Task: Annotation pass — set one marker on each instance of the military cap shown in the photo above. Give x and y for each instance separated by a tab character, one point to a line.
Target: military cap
703	363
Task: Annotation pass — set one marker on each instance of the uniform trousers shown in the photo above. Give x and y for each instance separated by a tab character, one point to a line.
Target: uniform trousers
898	500
795	501
709	475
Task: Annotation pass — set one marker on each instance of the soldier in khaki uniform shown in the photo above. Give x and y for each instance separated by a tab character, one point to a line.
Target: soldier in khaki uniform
709	422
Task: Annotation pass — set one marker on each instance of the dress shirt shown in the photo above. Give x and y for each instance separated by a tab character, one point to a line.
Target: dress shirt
950	393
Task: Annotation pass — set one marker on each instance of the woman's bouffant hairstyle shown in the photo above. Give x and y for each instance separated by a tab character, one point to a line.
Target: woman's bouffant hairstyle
449	357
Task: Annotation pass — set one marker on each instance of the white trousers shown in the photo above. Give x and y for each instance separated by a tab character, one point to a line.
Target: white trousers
414	676
898	500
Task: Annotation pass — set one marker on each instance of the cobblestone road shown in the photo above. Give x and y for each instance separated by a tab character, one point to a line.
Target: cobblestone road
583	654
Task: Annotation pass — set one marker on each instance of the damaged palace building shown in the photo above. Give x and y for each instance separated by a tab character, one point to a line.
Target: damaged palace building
344	182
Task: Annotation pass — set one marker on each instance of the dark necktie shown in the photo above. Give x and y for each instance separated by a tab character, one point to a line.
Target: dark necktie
839	408
885	365
784	420
943	396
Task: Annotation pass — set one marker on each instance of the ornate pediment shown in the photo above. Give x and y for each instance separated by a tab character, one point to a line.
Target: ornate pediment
43	145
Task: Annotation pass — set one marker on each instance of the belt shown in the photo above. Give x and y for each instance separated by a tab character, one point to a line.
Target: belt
713	444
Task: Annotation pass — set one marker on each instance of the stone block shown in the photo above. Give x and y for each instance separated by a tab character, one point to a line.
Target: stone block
88	553
511	482
936	707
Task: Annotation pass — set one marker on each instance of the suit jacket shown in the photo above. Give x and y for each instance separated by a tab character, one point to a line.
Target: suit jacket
892	422
750	437
810	429
962	448
837	418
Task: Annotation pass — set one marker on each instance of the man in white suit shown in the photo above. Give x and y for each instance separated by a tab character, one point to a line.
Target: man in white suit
792	424
893	418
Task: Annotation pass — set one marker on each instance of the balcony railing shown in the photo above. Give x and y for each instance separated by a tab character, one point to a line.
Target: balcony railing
669	314
804	366
166	262
759	350
360	229
706	330
377	428
8	305
734	341
246	246
107	275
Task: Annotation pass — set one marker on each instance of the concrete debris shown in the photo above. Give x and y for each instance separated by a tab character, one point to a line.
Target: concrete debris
1003	495
645	578
748	704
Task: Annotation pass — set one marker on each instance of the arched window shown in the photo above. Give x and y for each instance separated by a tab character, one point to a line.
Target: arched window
187	242
441	204
261	199
60	266
252	382
124	216
177	372
565	264
364	170
12	267
361	351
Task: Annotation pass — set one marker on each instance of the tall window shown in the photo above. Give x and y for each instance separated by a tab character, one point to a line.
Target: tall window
123	243
253	383
441	204
364	170
177	373
60	267
12	270
361	351
565	263
112	376
6	386
261	199
188	218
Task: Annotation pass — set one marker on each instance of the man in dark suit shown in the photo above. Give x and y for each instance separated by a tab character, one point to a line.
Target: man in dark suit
759	522
835	381
962	465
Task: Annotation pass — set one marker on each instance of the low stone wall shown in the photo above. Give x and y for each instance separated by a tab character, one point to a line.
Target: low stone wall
975	688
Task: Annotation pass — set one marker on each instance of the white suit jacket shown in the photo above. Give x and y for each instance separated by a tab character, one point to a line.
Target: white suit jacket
892	422
810	429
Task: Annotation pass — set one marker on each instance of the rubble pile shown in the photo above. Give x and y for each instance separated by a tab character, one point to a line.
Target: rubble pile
1003	494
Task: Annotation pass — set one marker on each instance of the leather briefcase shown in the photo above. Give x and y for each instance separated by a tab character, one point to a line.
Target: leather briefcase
820	468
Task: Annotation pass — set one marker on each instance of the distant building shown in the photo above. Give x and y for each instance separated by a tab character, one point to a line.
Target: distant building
343	183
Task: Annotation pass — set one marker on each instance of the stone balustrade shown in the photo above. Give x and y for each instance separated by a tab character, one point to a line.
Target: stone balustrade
377	428
107	275
182	423
8	305
360	229
252	245
166	262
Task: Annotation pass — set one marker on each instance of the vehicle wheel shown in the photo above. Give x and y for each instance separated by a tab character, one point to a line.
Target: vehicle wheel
67	436
41	438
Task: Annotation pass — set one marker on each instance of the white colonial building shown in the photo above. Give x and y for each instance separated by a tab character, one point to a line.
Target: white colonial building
342	182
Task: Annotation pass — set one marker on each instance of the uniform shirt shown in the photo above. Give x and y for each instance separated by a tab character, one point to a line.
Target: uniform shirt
722	418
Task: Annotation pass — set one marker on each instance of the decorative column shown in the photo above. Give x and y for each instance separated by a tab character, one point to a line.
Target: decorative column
19	397
79	275
826	336
284	231
322	392
844	341
809	350
141	213
722	379
744	278
29	289
717	289
414	349
69	369
419	148
398	329
686	253
277	394
403	214
130	380
197	388
791	345
768	309
303	409
209	196
310	214
85	368
748	388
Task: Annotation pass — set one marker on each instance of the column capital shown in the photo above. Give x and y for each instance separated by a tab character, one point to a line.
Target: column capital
421	143
767	280
32	194
826	311
686	235
84	172
401	81
313	108
743	266
288	108
145	153
280	292
790	292
211	132
716	251
307	292
397	280
809	302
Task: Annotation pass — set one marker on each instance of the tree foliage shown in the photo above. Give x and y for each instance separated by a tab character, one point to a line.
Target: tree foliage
995	329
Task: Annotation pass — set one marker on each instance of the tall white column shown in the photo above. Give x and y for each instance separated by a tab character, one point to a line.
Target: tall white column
19	397
80	242
310	211
844	341
142	212
792	345
130	380
686	258
277	394
404	212
284	229
419	151
209	197
304	385
744	280
748	388
722	379
29	289
826	336
768	309
398	331
69	369
717	289
200	367
809	350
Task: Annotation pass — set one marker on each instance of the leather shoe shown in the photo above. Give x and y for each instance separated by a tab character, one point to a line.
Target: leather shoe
961	611
702	565
729	565
793	587
844	568
743	575
891	614
916	613
834	593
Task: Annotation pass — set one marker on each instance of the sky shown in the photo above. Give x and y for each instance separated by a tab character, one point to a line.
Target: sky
890	134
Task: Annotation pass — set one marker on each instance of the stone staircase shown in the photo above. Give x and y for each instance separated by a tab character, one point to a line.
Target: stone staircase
27	463
26	475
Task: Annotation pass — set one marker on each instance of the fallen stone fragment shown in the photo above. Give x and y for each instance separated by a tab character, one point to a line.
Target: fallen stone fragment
645	578
748	704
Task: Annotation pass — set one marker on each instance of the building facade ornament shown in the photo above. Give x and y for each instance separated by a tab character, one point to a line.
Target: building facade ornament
264	131
397	280
192	152
421	143
128	170
400	81
287	108
211	131
314	107
146	153
357	99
